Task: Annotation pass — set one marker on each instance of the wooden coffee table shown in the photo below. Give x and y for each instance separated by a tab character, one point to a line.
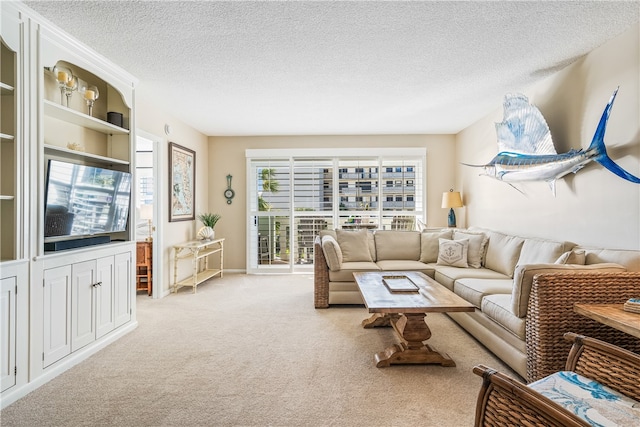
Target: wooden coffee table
407	312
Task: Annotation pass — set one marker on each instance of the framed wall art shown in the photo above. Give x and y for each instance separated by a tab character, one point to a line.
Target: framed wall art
182	183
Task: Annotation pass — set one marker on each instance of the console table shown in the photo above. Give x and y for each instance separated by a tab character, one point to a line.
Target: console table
199	252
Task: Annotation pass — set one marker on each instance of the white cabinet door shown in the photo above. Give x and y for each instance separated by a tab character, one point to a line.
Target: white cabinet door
104	292
122	288
57	314
8	319
83	325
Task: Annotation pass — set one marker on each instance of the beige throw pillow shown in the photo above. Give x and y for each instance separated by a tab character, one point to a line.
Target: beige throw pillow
572	257
354	245
429	244
453	252
332	253
477	246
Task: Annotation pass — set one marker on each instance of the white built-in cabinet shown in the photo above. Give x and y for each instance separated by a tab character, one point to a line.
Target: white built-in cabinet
83	302
14	265
56	308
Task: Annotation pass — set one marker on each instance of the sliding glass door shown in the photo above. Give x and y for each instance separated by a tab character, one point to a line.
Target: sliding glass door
292	198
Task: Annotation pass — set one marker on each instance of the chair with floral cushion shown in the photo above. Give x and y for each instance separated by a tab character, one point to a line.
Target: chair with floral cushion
599	386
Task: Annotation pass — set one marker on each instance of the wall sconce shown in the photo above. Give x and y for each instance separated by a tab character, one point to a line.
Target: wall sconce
451	199
146	212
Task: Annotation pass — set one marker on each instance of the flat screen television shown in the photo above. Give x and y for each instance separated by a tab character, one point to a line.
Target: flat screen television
85	201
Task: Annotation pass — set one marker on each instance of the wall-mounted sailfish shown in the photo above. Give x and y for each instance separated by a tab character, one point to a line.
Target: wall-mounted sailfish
526	151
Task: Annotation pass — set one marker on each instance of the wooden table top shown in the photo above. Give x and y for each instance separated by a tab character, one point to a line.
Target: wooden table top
434	297
611	315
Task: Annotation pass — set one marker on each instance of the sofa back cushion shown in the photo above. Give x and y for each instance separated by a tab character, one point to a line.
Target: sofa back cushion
539	251
524	274
503	252
477	246
629	258
429	243
332	253
354	245
397	245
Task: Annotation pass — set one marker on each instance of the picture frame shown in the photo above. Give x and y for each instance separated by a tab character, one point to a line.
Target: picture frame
182	183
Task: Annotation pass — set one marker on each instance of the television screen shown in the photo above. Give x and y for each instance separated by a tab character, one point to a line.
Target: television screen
84	200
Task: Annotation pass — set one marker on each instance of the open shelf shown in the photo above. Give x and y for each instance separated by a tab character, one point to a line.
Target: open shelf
6	89
61	112
83	155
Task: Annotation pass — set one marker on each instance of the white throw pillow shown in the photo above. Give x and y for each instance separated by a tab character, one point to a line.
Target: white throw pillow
453	252
477	246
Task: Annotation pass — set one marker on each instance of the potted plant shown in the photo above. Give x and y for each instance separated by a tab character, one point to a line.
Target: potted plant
209	220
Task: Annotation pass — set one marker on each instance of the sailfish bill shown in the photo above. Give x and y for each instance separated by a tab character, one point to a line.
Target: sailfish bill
527	152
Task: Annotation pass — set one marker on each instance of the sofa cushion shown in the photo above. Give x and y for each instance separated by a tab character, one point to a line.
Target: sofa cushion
354	245
332	253
473	290
406	265
453	252
345	274
539	251
523	280
446	275
397	245
628	258
477	246
503	252
429	243
574	256
589	400
497	307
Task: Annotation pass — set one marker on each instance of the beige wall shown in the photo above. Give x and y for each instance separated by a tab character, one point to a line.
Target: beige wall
593	207
152	120
227	156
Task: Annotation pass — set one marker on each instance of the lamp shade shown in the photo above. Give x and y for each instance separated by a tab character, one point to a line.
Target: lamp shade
451	199
146	212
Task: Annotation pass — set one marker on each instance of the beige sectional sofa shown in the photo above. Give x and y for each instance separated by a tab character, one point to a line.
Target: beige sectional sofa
499	274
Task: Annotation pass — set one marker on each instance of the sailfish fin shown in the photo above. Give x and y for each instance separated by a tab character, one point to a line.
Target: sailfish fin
597	145
606	161
552	186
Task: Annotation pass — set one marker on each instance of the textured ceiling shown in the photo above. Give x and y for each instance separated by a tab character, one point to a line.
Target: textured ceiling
334	67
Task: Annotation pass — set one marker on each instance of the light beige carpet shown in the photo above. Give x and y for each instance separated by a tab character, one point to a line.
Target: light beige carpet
252	351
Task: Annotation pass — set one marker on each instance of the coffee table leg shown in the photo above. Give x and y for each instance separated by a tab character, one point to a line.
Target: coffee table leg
379	320
413	330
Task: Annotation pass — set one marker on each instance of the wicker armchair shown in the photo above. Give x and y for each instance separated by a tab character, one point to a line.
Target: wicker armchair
505	401
550	315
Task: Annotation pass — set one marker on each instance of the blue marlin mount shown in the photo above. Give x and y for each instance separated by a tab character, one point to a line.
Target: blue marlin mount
526	150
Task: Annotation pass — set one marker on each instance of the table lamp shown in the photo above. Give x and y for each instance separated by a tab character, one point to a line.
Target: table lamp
146	212
451	199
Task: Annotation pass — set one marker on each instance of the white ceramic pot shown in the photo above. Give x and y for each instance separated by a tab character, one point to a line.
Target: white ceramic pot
206	233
